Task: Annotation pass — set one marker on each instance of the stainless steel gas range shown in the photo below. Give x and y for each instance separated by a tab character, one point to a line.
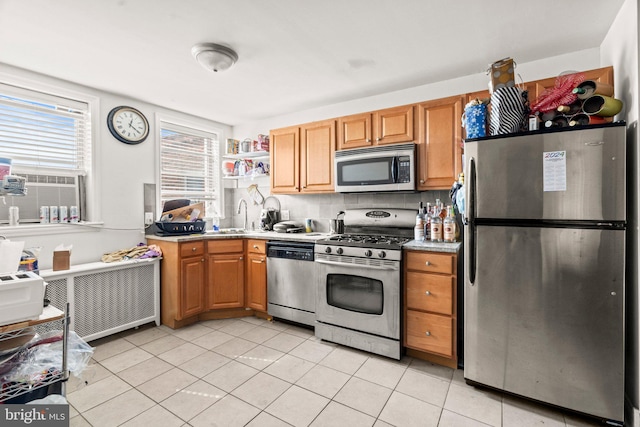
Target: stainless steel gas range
359	280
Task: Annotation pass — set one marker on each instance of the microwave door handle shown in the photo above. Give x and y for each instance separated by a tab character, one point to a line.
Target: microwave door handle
394	169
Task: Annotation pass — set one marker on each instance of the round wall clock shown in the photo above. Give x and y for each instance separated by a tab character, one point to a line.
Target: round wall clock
128	125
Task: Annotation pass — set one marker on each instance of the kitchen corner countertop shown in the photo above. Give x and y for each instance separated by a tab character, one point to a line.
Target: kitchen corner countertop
433	246
263	235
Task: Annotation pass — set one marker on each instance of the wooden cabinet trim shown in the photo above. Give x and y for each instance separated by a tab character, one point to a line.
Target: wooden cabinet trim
225	246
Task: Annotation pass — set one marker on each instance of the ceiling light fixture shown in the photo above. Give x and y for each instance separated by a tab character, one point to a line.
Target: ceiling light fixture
214	57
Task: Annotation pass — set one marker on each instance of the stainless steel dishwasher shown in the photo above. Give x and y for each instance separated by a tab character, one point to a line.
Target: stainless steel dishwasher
291	286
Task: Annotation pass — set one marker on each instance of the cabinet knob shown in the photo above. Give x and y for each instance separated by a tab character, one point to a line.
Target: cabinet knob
427	293
241	258
422	181
427	263
428	333
368	140
256	247
202	260
193	249
378	139
304	186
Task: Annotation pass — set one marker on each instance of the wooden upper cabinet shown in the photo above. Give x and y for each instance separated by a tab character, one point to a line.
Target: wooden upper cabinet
393	125
317	147
439	147
389	126
285	160
355	131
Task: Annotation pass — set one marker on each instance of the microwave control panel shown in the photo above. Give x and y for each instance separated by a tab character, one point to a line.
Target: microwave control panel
404	169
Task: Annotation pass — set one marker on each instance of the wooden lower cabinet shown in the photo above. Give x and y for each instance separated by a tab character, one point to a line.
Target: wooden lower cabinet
256	275
430	314
205	279
225	272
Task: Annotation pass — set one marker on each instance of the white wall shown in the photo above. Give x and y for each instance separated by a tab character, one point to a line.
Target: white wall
549	67
121	172
620	48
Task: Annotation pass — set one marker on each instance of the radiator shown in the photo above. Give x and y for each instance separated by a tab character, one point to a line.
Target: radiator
106	298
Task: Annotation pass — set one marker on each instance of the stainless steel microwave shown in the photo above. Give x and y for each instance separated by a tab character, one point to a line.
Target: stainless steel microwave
380	168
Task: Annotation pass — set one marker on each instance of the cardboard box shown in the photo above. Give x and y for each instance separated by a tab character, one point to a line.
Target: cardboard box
61	260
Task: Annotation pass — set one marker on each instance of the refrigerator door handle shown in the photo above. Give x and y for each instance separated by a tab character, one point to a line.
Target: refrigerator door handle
471	220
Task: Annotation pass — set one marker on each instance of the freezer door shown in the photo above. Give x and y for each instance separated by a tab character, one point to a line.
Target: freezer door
544	318
570	175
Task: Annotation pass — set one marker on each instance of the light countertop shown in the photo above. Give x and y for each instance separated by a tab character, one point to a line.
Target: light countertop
301	237
433	246
263	235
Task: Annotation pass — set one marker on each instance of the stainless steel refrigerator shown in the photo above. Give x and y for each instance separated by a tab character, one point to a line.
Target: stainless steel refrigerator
545	266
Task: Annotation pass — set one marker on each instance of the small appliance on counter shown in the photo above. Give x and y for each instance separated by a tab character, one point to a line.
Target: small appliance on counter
269	216
288	227
21	296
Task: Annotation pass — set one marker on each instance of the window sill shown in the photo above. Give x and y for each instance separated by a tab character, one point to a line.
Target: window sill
49	229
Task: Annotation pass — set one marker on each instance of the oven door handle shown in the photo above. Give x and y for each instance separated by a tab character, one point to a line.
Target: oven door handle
347	265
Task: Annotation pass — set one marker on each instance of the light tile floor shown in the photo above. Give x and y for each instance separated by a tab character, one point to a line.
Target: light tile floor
253	372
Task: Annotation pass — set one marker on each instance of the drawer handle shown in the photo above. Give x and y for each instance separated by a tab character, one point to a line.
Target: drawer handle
193	249
428	333
427	293
427	263
256	247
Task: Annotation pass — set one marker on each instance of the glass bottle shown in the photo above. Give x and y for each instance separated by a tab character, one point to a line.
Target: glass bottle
427	222
436	226
449	226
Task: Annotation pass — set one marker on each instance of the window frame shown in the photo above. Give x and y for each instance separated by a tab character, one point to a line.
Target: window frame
45	85
198	127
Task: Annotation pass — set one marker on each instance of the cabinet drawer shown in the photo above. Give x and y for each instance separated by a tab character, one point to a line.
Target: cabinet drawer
430	292
430	262
256	246
191	248
224	246
430	332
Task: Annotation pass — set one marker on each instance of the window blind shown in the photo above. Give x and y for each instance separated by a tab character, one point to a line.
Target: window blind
189	165
43	133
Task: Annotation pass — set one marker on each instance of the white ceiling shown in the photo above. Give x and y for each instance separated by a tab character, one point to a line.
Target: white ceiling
294	54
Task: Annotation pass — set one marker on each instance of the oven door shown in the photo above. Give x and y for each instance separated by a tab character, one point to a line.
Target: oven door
364	298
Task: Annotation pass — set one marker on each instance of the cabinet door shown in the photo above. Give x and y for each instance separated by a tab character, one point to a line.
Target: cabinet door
354	131
317	147
394	125
429	332
285	160
439	143
257	282
192	300
226	281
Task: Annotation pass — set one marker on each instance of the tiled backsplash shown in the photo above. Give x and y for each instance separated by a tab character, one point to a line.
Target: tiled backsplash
323	207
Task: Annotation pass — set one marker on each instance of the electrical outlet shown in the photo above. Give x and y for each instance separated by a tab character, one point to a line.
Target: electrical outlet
284	215
148	218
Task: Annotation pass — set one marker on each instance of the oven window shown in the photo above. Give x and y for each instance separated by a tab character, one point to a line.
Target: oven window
355	293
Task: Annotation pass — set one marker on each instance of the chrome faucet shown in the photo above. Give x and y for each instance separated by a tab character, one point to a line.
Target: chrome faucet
240	203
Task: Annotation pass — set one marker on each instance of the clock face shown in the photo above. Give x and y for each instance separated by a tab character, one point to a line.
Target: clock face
128	125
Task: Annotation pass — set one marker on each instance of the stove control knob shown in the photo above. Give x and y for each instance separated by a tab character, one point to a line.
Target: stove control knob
382	254
339	251
368	253
327	249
